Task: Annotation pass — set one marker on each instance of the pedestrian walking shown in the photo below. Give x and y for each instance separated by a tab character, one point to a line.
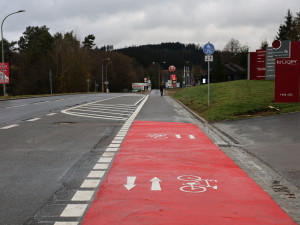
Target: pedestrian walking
162	87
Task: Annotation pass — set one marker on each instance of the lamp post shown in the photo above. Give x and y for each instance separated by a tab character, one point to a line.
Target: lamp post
102	73
3	67
159	71
106	81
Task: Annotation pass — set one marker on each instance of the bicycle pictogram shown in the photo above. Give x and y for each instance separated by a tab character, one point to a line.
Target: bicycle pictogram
196	184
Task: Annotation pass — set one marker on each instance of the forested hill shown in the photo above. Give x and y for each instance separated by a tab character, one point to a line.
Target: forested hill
166	54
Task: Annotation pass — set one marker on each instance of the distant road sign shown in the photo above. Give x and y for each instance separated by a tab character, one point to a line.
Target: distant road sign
209	58
208	49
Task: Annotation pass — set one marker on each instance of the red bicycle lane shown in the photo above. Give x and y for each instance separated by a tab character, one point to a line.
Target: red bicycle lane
172	173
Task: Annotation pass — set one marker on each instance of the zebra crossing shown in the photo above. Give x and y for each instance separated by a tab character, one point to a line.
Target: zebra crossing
100	110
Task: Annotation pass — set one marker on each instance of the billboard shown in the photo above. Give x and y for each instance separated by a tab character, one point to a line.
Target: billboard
270	64
6	69
260	64
138	87
287	76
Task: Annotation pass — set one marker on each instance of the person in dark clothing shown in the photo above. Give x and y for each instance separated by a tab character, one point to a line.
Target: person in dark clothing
162	87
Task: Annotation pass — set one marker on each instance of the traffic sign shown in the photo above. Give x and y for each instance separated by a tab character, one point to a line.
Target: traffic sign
208	49
209	58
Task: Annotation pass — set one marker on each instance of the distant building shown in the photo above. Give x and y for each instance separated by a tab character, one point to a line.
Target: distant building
234	71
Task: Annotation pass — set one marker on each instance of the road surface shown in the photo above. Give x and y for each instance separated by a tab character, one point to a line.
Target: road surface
130	159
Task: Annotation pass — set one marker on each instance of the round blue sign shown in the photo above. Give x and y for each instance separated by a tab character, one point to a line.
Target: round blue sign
208	49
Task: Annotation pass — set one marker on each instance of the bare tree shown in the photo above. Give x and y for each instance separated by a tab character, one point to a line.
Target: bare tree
233	46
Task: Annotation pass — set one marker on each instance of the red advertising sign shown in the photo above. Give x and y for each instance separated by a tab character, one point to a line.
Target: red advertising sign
287	80
252	65
287	76
174	80
6	68
260	64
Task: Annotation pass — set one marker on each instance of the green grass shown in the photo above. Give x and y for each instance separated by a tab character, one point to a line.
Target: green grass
234	100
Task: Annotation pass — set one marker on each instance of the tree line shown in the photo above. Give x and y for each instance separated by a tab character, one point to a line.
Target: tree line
75	66
73	63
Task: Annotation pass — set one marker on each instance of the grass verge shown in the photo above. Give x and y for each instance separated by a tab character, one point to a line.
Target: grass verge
234	100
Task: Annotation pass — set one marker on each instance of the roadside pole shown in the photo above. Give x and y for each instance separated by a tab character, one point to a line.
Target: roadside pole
208	50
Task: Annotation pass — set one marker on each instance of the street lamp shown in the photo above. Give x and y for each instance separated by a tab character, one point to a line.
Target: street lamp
3	67
102	72
106	82
159	71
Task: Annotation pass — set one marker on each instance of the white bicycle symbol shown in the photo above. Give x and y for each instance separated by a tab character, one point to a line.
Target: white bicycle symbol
196	184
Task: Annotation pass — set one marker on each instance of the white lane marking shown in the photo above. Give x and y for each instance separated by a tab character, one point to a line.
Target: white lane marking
105	160
100	166
83	196
41	102
116	142
51	114
74	210
108	107
66	223
118	138
96	116
112	149
178	136
155	184
32	120
103	111
96	174
95	106
130	183
114	146
192	137
108	154
10	126
15	106
92	183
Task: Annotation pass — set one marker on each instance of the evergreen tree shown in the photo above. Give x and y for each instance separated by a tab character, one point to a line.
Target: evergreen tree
88	42
288	30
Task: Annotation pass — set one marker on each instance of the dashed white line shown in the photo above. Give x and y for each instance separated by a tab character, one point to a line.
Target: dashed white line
74	210
10	126
114	145
83	196
104	160
51	114
96	174
101	166
15	106
92	183
32	120
178	136
66	223
112	149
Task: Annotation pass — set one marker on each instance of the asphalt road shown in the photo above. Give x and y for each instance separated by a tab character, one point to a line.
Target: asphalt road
48	146
48	151
273	139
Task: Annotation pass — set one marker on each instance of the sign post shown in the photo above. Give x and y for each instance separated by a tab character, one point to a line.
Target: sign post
208	50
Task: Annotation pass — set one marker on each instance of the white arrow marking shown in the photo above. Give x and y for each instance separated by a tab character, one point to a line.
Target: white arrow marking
130	183
155	184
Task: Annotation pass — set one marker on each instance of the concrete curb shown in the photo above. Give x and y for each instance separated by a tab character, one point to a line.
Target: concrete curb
221	138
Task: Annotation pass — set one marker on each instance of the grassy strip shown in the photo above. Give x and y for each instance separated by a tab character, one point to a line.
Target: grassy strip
234	100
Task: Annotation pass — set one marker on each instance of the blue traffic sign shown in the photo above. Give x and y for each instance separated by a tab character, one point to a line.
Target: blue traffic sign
208	49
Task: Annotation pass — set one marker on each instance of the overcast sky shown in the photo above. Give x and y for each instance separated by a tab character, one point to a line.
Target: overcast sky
136	22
